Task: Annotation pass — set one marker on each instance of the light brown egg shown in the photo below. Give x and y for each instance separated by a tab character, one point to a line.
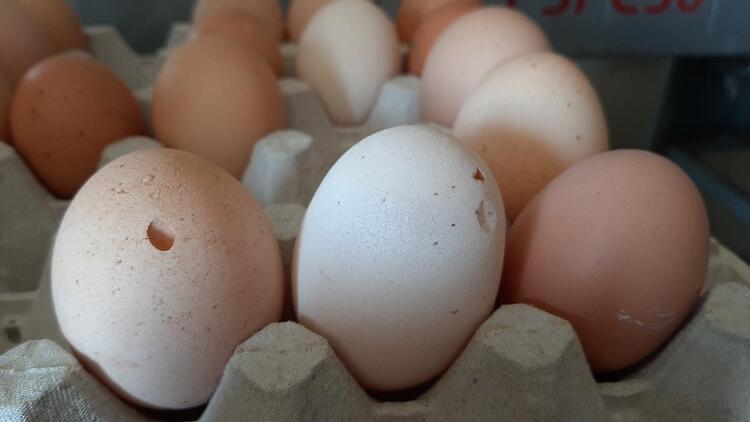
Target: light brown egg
5	98
530	118
267	11
246	29
430	29
466	50
299	14
23	41
162	266
216	98
65	111
60	21
617	245
411	13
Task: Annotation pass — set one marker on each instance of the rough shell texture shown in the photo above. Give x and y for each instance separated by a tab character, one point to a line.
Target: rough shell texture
404	212
163	264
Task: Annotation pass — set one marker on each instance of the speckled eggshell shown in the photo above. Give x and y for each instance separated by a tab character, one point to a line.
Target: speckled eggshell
60	21
430	29
530	118
399	256
23	40
65	111
217	99
5	99
245	29
348	51
163	264
466	51
267	11
617	245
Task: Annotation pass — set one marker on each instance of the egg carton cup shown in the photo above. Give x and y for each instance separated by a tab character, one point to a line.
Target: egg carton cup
522	364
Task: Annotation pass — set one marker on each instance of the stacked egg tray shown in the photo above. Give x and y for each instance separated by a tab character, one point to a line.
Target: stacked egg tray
522	363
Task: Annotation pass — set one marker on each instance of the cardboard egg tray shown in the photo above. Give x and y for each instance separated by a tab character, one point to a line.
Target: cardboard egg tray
522	364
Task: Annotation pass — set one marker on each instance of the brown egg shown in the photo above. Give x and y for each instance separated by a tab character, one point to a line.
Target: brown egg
267	11
215	98
60	21
618	245
5	98
411	13
299	14
66	109
246	29
23	41
430	29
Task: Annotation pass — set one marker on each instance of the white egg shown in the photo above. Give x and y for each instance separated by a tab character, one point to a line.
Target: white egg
347	52
400	254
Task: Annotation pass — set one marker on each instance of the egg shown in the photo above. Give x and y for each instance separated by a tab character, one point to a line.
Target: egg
618	245
348	51
66	109
23	41
530	118
267	11
5	98
411	13
468	49
399	256
215	98
244	28
431	27
299	14
60	21
162	266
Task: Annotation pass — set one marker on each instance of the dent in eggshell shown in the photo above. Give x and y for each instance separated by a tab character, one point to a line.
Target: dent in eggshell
529	119
399	256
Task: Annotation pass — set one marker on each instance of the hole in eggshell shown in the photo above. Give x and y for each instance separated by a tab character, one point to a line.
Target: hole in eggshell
478	175
160	234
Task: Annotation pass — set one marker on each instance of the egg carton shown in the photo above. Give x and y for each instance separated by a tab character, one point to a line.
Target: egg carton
522	364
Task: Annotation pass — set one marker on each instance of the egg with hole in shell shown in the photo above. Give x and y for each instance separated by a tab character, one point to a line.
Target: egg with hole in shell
162	266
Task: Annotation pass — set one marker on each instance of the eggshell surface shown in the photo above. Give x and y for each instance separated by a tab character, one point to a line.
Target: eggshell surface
299	15
242	27
348	51
215	98
23	41
61	23
65	111
163	264
399	255
466	51
529	119
411	14
267	11
430	29
617	245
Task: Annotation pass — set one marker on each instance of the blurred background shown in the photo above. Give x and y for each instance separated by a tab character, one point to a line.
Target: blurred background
673	75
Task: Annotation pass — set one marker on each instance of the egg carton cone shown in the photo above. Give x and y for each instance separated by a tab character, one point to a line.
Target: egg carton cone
522	364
